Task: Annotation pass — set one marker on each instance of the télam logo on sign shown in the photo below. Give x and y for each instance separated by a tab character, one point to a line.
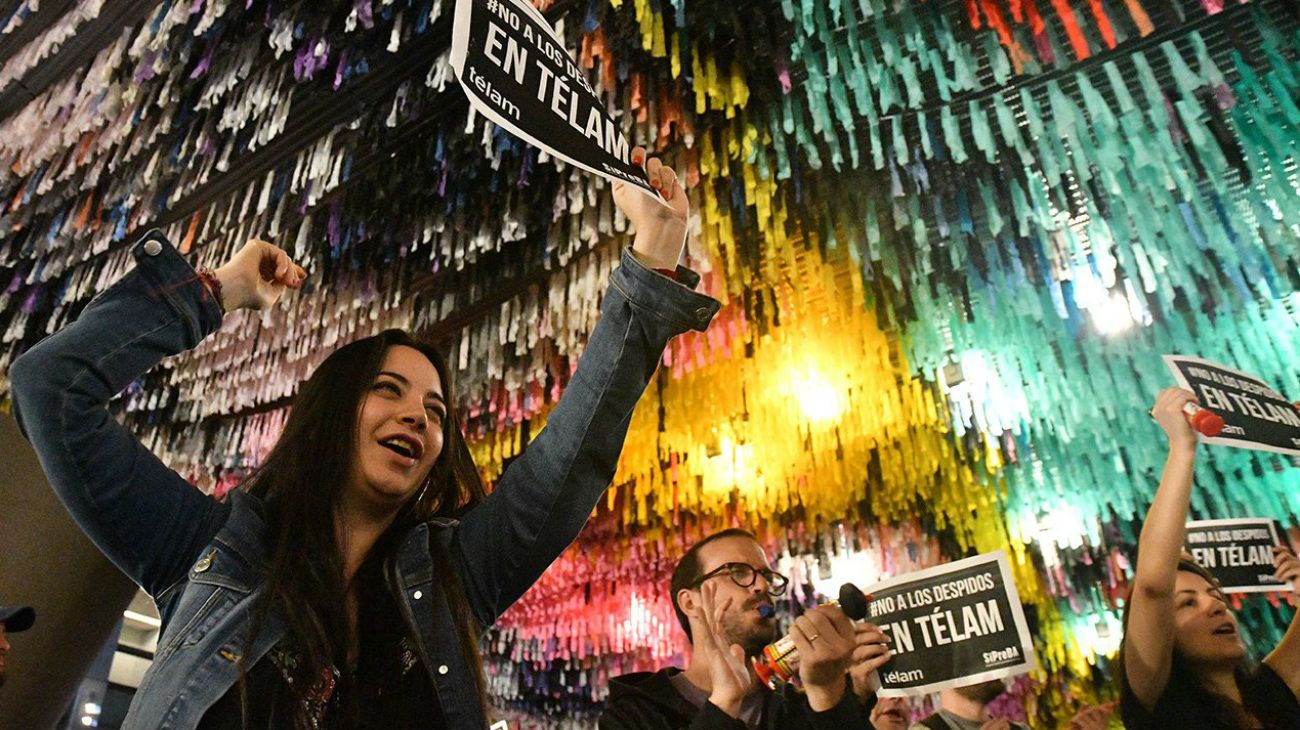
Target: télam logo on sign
517	73
951	625
1255	415
1238	552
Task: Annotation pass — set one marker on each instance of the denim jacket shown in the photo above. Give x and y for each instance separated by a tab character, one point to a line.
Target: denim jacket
204	562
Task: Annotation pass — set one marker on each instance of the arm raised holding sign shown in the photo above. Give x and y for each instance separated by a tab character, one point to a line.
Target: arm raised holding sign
1182	661
1285	659
366	527
660	227
1149	645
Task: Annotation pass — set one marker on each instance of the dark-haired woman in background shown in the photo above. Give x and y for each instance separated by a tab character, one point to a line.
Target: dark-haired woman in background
1183	663
348	586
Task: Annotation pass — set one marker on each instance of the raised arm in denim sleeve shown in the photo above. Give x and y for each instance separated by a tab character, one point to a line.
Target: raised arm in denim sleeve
148	520
543	500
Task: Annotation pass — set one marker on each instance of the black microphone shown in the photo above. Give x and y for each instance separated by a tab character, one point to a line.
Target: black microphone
773	664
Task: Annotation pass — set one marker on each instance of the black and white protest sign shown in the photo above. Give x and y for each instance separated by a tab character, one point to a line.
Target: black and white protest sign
1255	416
516	72
1238	552
951	625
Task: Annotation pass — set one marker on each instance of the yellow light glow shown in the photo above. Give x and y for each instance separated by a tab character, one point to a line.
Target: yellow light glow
819	402
732	467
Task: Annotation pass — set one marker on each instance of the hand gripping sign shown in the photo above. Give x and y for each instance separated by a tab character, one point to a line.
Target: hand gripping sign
951	625
516	72
1254	415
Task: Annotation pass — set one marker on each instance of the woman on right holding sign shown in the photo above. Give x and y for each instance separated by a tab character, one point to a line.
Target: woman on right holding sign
1183	663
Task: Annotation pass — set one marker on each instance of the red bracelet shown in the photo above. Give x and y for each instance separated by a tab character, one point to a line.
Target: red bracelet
213	285
670	273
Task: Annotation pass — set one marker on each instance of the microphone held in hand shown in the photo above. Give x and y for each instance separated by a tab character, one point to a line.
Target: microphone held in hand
776	662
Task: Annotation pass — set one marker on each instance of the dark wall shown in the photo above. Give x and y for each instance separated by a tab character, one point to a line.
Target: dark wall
47	563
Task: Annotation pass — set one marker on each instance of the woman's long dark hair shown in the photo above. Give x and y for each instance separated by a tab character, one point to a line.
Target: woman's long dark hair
1185	702
301	481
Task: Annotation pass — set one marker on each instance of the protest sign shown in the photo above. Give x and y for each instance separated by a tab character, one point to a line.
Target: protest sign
951	625
516	72
1254	415
1239	552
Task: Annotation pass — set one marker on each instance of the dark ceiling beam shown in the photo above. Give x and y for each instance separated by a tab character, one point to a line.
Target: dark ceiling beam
314	112
76	54
36	24
313	117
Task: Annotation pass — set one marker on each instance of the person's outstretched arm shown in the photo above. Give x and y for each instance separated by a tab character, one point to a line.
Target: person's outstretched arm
543	500
1149	641
148	520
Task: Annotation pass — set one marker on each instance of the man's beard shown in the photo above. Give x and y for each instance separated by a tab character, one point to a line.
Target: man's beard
752	637
984	692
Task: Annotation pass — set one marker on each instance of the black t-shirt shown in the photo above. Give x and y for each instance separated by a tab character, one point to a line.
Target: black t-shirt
389	687
1265	695
410	703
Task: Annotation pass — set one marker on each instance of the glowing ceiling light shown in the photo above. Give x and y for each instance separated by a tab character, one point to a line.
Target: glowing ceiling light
1062	527
733	466
141	618
1111	315
819	402
845	567
1098	634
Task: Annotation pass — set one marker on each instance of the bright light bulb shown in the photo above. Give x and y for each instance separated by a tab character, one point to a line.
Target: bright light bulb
638	615
819	402
141	618
1057	527
1099	633
844	567
733	466
1111	315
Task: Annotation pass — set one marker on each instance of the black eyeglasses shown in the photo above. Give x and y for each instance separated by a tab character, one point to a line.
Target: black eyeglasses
744	575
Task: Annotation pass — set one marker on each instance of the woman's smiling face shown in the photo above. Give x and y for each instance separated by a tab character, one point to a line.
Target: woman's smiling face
399	430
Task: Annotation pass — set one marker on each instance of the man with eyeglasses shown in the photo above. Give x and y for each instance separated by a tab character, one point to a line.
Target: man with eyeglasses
722	592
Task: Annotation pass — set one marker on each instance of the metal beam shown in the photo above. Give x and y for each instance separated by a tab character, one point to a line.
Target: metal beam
76	54
36	24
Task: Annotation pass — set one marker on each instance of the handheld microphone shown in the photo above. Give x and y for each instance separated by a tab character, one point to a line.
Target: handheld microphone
773	665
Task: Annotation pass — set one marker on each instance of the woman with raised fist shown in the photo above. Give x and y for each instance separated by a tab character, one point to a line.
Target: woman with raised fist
347	584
